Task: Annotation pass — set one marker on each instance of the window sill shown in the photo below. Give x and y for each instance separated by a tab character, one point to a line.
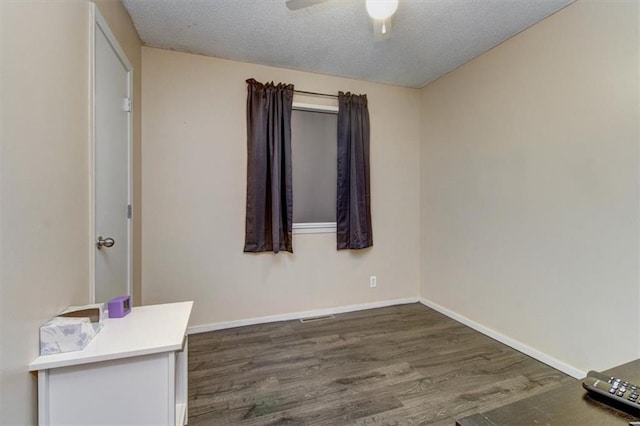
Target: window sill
314	228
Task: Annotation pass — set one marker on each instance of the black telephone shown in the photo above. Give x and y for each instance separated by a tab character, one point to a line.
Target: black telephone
611	389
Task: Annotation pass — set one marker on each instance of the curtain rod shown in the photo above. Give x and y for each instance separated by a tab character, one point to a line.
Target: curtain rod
315	93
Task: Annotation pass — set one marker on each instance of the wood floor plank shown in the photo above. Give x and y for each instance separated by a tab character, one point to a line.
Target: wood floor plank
400	365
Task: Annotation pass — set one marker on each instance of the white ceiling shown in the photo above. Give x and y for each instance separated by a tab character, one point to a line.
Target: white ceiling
429	38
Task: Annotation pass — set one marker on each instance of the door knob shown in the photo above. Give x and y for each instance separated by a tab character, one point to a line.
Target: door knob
105	242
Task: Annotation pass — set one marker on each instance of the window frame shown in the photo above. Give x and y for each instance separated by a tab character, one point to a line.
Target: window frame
315	227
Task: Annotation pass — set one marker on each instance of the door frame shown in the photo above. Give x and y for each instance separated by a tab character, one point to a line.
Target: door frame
97	20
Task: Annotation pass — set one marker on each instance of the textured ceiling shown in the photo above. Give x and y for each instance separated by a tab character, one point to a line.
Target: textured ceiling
429	38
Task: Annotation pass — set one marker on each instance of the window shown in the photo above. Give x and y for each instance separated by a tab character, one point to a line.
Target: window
314	130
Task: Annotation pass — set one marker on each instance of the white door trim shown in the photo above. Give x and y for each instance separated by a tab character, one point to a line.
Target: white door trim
98	20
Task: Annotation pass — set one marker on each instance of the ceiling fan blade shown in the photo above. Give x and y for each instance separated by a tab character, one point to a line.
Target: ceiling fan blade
301	4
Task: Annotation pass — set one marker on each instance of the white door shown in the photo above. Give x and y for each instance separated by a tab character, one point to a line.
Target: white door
112	171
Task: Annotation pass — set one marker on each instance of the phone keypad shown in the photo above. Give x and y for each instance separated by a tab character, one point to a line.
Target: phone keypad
624	389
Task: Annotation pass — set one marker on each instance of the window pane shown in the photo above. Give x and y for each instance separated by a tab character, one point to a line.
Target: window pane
314	155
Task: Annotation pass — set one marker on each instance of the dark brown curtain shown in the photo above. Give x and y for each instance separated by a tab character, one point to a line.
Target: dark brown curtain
269	212
353	210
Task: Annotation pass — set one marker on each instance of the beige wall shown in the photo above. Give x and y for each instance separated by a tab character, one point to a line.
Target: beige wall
44	223
194	183
44	261
122	27
529	187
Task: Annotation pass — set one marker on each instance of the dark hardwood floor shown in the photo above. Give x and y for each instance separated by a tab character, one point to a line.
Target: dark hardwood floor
401	365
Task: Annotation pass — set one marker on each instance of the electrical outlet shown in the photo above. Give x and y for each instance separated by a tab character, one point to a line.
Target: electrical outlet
373	282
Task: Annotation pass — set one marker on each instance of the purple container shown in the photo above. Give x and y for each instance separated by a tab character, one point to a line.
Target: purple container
119	306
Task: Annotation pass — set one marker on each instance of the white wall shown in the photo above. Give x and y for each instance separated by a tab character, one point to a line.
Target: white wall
529	187
194	184
44	223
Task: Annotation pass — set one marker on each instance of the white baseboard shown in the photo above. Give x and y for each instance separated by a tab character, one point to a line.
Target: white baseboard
297	315
519	346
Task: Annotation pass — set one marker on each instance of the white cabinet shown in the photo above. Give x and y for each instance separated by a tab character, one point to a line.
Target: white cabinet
133	372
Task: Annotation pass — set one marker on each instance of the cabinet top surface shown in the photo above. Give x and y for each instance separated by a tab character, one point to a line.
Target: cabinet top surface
146	330
568	404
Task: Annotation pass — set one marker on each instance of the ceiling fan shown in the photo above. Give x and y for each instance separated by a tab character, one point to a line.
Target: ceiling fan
379	10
